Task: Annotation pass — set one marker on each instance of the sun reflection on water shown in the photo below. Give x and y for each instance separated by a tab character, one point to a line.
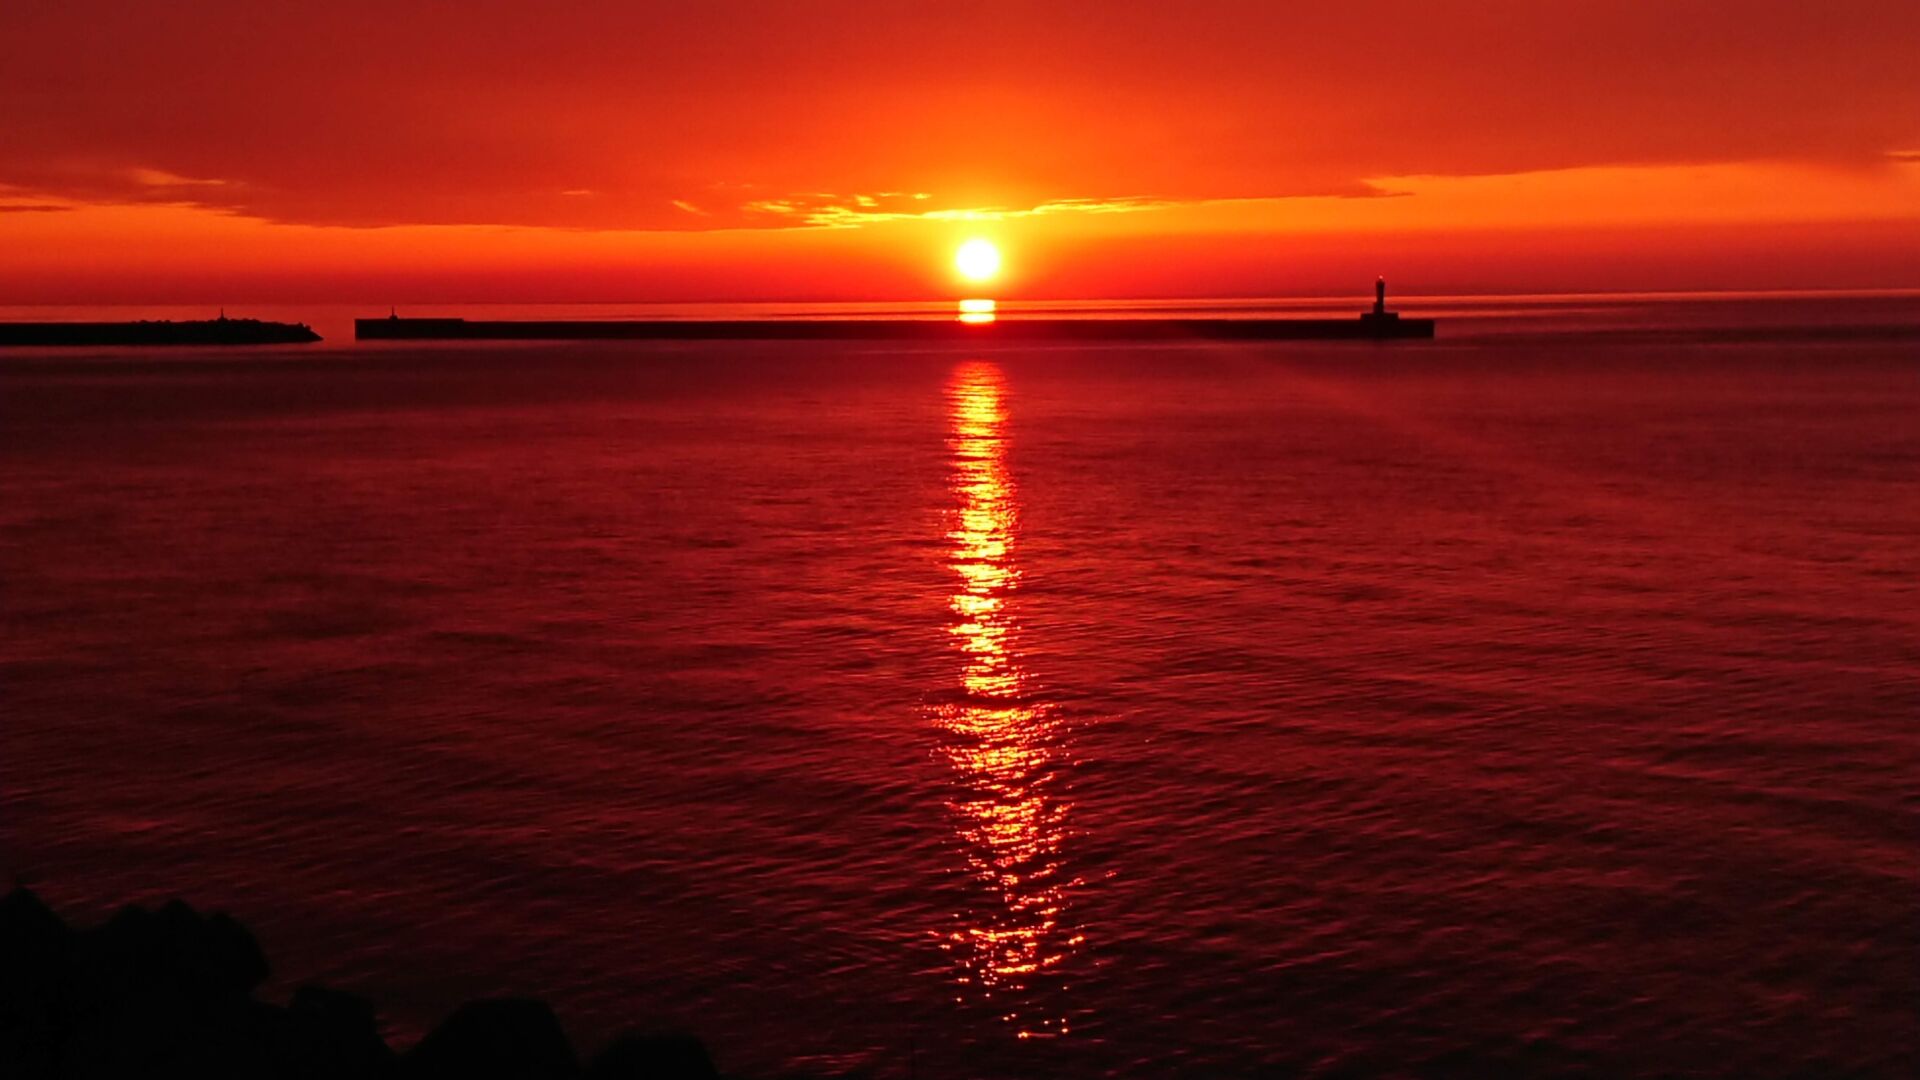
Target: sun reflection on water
1003	739
977	311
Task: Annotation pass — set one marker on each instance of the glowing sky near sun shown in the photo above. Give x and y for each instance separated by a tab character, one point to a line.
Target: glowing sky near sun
604	150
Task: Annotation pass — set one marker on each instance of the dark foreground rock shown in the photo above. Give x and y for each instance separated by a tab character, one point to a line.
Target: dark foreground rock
170	993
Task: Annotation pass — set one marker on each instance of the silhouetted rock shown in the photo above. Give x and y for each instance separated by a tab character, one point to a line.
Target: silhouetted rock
178	950
30	933
499	1039
36	950
168	992
654	1057
163	993
340	1033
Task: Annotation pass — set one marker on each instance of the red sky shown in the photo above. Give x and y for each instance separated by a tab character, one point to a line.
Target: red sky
634	151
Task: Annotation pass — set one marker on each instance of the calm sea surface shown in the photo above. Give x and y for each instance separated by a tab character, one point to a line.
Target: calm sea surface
1542	696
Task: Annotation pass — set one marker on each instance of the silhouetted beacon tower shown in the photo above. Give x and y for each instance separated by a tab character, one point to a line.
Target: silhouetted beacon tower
1380	321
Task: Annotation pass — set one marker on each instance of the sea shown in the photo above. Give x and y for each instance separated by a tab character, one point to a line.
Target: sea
1540	700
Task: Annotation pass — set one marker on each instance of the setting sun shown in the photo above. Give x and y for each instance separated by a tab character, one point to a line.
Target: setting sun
977	260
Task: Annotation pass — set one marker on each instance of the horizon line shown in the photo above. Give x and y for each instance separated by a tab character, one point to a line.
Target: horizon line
1889	292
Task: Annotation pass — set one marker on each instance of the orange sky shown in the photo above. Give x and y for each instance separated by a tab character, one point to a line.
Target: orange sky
631	151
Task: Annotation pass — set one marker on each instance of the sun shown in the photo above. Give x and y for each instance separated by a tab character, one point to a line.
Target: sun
977	260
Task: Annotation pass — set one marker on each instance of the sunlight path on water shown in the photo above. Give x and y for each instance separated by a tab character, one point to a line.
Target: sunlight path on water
1003	739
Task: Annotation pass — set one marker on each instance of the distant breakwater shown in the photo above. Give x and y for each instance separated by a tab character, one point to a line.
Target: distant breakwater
1367	327
170	992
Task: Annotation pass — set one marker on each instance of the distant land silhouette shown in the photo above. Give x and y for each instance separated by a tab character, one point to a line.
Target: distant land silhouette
220	331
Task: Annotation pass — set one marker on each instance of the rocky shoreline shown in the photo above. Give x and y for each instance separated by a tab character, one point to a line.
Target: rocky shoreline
170	992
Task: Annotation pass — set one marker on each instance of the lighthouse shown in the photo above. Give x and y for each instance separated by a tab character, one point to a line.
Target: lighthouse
1380	322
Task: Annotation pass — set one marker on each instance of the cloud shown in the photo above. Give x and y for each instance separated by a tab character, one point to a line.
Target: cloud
367	114
33	208
160	178
828	210
838	211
